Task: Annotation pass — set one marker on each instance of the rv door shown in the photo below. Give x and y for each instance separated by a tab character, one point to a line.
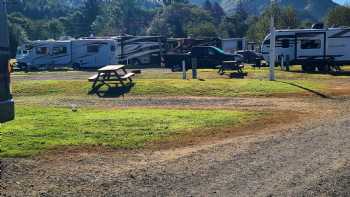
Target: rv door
311	46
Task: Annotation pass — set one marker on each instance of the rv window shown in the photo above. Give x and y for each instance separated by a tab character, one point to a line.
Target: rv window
92	49
42	50
59	50
112	48
285	43
310	44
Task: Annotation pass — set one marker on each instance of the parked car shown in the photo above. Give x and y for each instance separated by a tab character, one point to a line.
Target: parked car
251	57
207	57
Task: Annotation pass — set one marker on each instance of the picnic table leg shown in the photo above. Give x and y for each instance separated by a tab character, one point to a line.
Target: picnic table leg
125	72
118	77
96	80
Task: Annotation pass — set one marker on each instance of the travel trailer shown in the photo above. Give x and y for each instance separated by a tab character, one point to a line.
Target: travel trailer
81	53
231	45
322	49
140	50
6	101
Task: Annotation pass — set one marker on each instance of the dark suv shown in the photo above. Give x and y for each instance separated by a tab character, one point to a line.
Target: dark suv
210	57
250	57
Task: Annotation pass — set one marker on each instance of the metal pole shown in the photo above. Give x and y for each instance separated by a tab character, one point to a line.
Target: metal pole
194	62
272	45
184	74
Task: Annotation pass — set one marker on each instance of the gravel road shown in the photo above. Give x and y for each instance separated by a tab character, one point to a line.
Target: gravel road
312	162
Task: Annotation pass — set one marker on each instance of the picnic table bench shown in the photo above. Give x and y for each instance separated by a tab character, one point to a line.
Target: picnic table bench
111	74
230	65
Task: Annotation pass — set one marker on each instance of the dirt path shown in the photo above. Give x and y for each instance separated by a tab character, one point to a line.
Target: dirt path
303	157
311	162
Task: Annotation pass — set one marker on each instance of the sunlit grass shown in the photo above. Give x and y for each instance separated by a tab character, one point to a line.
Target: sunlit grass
40	128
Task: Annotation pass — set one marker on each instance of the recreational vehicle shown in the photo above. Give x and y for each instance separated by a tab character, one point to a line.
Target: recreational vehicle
322	49
6	101
140	50
81	53
231	45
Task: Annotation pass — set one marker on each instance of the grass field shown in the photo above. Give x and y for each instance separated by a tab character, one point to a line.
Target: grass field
41	128
41	125
170	87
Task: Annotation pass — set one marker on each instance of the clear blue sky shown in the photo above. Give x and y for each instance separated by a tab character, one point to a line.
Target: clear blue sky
341	1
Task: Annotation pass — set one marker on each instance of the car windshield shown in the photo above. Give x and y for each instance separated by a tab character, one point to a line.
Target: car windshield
219	50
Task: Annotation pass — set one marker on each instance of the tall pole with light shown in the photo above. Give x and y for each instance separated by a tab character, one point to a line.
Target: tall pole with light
272	44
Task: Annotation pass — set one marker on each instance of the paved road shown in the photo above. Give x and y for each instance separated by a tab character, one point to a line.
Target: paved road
311	162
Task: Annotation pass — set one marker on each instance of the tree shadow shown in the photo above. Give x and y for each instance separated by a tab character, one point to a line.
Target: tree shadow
333	73
307	89
238	75
340	73
112	91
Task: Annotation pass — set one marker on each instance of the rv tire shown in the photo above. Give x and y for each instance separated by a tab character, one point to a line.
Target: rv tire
76	66
324	68
308	68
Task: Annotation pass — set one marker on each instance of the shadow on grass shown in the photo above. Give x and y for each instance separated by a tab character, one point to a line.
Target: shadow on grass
238	75
112	92
340	73
307	89
333	73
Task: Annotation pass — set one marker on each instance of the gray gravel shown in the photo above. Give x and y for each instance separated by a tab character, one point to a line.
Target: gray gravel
315	162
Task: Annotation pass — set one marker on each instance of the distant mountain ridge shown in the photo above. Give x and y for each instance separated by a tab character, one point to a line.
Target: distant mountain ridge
307	9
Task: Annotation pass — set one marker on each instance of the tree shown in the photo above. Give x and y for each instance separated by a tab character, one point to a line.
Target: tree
18	36
207	6
284	18
339	16
90	11
235	26
170	2
55	29
180	20
218	12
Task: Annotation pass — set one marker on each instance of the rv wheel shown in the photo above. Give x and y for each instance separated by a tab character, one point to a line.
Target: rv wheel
76	66
323	68
308	68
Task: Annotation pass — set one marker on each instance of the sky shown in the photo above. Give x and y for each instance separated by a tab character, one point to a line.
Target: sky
341	1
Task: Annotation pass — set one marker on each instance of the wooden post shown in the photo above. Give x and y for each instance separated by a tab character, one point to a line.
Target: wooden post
184	74
194	68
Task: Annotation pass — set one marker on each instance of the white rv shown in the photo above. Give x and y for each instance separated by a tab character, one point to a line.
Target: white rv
321	49
82	53
231	45
140	50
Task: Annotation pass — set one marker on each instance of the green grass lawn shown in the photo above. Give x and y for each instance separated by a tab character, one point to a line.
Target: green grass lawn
40	128
171	87
44	126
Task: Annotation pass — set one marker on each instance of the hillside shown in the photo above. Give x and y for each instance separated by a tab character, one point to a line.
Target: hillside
308	9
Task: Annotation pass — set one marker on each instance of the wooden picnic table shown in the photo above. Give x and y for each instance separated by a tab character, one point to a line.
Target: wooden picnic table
111	74
231	65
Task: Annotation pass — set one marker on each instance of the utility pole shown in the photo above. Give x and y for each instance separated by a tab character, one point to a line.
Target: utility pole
272	44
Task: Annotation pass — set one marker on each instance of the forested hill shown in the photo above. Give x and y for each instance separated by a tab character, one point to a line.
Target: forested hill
307	9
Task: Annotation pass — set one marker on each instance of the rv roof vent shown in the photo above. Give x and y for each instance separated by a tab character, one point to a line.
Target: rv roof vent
317	26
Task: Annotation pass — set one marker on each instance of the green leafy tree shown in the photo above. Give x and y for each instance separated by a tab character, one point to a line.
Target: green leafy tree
55	29
180	20
284	18
339	16
235	26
